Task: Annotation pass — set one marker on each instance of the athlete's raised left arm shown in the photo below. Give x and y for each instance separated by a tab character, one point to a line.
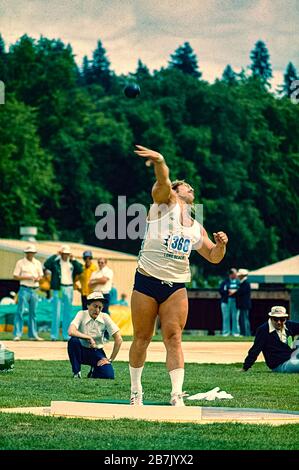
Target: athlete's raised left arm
213	252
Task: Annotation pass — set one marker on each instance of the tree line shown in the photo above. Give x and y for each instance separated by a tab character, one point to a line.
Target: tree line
67	135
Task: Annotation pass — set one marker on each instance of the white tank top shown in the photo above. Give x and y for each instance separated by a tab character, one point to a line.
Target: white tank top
167	245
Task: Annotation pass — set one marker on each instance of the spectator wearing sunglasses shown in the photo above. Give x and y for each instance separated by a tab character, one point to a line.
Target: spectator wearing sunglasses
273	339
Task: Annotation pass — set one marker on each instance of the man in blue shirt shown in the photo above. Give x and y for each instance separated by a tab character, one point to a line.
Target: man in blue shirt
230	313
272	339
243	302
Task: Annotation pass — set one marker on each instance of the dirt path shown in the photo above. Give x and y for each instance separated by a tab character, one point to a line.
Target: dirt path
201	352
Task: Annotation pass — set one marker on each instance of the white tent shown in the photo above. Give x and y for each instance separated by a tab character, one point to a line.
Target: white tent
282	272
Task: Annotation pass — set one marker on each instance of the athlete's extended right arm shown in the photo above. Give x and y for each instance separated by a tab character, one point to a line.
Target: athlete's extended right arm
161	191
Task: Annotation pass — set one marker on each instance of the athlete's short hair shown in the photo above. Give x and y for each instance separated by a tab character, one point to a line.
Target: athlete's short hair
175	184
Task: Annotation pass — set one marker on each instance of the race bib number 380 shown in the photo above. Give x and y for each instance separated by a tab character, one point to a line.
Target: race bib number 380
179	245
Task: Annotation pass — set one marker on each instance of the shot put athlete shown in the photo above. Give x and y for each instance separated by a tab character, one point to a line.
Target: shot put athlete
163	269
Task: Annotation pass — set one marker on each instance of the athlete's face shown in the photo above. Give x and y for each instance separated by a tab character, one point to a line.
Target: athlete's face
186	193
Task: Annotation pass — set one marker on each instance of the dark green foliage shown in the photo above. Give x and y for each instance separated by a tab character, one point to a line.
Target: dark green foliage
142	70
2	45
235	142
229	76
185	60
26	172
260	63
100	67
289	77
86	72
3	61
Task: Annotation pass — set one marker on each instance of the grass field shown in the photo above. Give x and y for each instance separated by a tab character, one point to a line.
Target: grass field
36	383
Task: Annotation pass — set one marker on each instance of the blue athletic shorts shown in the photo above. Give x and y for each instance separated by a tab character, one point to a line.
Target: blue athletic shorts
153	287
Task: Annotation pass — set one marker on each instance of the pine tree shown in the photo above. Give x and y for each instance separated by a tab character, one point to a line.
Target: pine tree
261	67
86	71
185	60
229	76
3	60
142	70
101	67
289	77
2	45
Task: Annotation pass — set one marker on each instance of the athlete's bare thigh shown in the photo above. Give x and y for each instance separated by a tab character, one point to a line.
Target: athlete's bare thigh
144	313
173	312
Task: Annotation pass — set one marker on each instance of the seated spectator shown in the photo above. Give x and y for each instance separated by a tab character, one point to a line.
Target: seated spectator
272	339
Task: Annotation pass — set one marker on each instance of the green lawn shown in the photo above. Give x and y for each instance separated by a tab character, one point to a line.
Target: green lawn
36	383
37	432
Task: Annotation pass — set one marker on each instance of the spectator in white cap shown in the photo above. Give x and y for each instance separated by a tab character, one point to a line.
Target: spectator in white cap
64	270
28	271
272	339
87	339
243	302
11	300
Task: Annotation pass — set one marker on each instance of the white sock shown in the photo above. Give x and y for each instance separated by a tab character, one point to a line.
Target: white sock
135	373
177	380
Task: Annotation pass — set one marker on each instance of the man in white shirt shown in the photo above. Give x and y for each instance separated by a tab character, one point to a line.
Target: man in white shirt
87	339
28	271
101	280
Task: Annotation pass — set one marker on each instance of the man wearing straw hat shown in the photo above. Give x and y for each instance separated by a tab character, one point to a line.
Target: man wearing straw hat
28	271
272	339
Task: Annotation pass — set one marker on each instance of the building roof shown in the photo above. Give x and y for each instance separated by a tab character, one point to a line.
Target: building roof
285	272
47	248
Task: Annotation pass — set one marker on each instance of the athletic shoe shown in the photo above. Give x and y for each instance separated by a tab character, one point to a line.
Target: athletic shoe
77	376
177	399
136	399
16	338
36	338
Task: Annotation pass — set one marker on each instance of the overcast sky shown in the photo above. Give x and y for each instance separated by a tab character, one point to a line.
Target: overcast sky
220	32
